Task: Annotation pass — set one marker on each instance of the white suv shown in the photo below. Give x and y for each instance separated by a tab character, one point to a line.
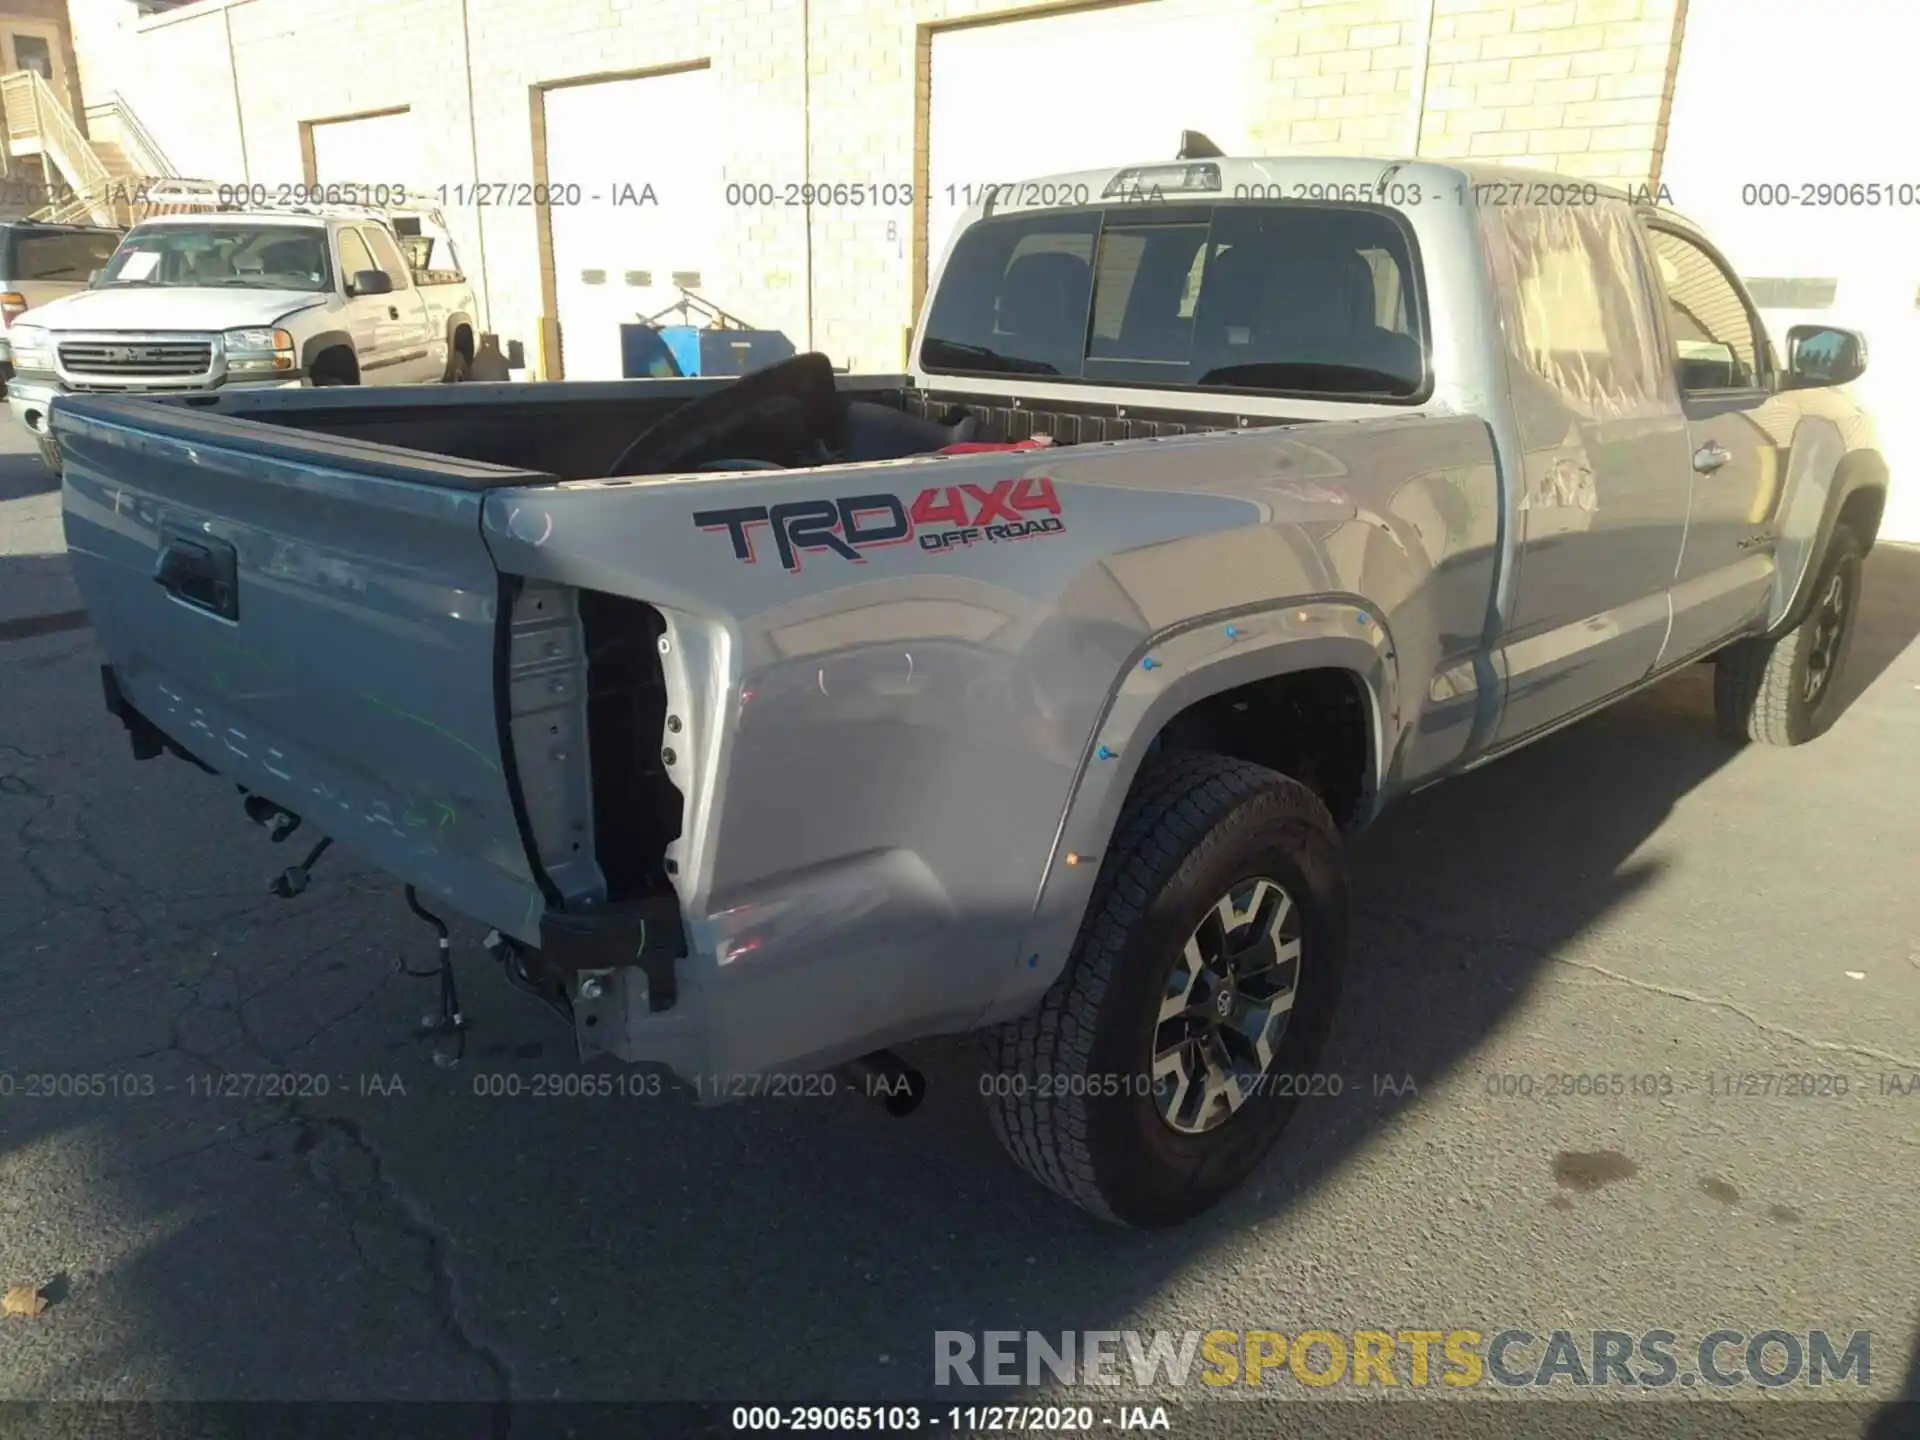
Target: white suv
218	300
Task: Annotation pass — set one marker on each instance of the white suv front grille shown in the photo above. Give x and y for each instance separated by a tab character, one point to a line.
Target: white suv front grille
162	361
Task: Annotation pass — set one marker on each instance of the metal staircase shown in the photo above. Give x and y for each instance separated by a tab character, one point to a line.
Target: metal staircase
86	180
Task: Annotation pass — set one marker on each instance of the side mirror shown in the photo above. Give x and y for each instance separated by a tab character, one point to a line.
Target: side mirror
1819	355
370	282
93	276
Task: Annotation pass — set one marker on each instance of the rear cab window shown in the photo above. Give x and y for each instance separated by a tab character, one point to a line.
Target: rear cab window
429	252
1287	298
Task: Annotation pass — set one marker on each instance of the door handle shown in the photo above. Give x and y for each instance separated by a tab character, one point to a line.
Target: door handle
1710	457
200	570
393	312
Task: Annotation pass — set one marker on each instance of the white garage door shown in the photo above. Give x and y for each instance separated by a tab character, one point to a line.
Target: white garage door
616	251
374	150
1776	97
1075	92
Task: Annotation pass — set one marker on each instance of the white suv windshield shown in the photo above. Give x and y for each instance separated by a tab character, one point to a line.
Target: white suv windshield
258	257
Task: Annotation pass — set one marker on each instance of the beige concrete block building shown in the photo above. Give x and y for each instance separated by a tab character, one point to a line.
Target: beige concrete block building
714	117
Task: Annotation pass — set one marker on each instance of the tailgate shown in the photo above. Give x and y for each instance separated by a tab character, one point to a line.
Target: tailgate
316	619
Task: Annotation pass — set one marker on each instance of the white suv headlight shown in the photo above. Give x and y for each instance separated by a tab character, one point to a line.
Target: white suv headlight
32	347
259	351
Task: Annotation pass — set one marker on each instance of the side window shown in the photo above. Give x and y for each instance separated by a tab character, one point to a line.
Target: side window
1577	314
1713	335
49	255
387	256
100	245
354	256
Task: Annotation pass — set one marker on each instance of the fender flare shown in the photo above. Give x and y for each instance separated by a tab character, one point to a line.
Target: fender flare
311	347
1858	472
1191	662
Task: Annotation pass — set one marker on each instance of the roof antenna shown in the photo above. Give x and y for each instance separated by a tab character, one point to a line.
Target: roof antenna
1195	146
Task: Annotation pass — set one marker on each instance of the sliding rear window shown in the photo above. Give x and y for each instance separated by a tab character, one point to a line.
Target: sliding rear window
1305	299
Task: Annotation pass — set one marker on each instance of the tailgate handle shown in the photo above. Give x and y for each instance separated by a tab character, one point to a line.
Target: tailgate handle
202	571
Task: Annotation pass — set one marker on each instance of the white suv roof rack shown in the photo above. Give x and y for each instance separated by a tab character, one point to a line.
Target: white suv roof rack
217	198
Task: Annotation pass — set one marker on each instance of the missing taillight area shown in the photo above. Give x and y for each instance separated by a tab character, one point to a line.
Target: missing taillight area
637	809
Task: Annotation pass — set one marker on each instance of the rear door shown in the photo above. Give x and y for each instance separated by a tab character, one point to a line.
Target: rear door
317	620
1603	507
1738	434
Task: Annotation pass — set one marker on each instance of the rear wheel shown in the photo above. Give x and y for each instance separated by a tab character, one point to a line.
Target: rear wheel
459	364
1784	691
1165	1061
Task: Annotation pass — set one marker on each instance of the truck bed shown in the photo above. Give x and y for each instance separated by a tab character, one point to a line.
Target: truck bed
804	732
573	431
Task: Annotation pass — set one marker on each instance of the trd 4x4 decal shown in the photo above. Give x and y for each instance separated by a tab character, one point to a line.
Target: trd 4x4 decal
946	517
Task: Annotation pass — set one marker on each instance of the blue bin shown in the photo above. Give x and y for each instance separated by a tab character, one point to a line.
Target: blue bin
684	342
653	352
735	352
646	355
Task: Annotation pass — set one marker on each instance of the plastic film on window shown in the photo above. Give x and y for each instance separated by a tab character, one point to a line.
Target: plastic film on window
1574	306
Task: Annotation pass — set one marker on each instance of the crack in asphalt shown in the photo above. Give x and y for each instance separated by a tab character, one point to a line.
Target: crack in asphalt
1432	930
407	1217
383	1202
418	1224
1771	1027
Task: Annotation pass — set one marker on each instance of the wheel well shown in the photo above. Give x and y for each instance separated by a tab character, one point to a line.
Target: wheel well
337	360
1861	514
463	339
1313	725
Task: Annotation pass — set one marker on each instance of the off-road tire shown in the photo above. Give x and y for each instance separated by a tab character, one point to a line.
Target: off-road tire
1759	685
1195	826
459	364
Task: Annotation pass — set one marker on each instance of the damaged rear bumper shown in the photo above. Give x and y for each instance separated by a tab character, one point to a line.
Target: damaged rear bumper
603	962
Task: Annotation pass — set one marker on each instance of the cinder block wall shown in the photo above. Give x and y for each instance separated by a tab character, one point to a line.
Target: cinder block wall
828	89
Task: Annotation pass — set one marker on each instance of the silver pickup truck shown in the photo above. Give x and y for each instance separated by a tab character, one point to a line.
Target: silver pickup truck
774	722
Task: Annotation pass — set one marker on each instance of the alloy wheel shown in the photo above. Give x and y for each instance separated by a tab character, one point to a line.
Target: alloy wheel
1226	1004
1829	627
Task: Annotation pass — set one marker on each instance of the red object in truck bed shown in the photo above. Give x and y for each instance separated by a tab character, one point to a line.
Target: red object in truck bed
981	447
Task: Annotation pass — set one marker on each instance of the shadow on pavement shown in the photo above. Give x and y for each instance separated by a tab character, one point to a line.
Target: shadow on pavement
633	1248
21	474
1889	617
37	597
1899	1418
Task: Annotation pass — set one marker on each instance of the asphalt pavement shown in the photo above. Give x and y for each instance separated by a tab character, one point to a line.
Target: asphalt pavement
1631	898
